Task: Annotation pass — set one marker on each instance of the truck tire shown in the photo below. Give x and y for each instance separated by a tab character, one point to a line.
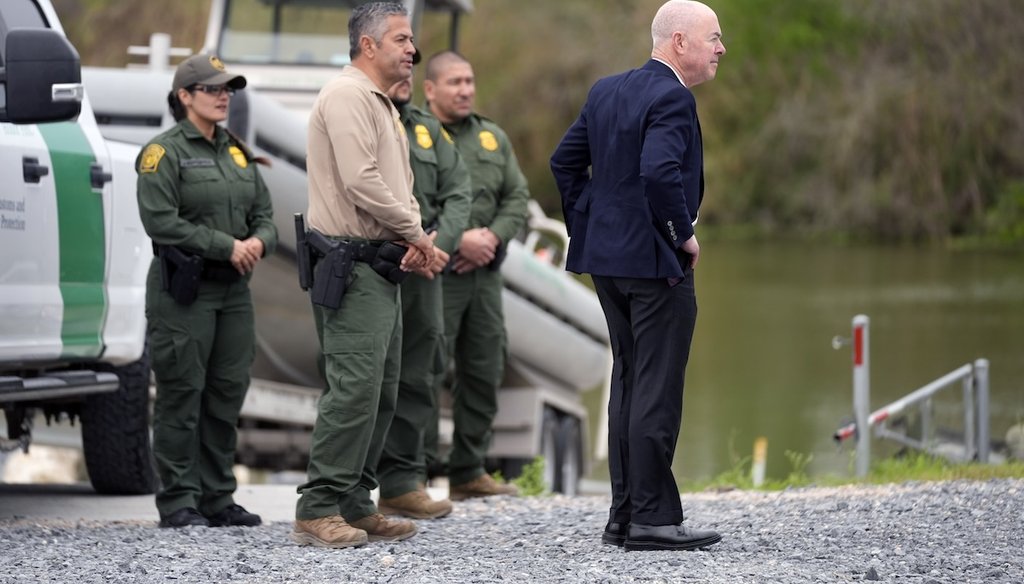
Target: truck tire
115	435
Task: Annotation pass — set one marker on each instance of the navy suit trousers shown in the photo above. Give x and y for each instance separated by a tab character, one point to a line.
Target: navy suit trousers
651	327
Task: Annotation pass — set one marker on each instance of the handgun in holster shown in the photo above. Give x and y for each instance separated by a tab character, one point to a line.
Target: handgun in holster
326	266
180	273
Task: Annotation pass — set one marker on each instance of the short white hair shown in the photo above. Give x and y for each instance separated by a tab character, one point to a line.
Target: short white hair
676	16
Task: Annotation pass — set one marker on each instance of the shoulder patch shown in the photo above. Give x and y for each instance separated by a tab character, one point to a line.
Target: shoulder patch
447	136
488	141
151	157
423	137
238	156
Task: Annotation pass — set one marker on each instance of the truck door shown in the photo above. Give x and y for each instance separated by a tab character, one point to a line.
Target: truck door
30	304
52	263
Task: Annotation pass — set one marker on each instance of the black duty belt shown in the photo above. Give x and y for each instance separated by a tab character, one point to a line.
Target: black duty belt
219	271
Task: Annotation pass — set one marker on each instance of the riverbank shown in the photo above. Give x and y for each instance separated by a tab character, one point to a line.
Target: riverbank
928	533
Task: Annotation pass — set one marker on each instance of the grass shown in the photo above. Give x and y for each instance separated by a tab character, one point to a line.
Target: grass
531	481
912	467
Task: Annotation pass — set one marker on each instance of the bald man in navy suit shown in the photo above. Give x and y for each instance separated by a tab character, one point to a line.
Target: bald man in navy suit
631	174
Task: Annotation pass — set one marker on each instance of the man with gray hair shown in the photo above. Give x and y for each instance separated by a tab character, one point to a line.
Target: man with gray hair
631	174
360	196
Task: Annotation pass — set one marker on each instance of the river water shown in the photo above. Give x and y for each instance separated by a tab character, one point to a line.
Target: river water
762	362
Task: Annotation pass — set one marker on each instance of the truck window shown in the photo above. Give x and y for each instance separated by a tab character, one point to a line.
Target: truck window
18	14
285	32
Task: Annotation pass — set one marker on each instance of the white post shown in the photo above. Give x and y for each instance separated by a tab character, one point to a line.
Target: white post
981	394
970	448
159	51
862	392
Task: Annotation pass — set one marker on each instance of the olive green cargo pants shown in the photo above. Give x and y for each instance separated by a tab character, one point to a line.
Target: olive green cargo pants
402	465
474	331
361	343
201	356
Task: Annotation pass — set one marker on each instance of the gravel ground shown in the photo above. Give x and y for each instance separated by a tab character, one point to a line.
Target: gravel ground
929	533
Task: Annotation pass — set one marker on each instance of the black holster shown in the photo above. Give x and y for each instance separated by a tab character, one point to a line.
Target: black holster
331	270
180	273
387	262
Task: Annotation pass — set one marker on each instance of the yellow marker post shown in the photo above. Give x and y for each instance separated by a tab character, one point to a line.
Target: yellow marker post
760	458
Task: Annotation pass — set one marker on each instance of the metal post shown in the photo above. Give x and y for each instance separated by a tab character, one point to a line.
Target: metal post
862	392
981	394
159	51
969	435
926	423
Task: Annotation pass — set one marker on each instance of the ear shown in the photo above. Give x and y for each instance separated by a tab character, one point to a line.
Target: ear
185	97
679	42
428	89
367	45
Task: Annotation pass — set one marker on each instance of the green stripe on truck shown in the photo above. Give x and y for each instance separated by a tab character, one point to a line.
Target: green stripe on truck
82	245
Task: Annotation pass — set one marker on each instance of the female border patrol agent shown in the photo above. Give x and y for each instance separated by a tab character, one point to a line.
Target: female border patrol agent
208	212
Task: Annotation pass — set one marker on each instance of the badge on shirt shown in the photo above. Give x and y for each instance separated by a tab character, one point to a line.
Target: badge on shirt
151	158
488	141
423	137
238	156
447	136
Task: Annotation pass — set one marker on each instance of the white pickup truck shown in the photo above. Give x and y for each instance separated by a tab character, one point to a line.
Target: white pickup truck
73	259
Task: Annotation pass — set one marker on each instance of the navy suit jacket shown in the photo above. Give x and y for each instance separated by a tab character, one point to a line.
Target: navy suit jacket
631	174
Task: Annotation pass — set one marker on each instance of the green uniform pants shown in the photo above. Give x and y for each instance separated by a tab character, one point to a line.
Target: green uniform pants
361	343
402	465
474	330
201	357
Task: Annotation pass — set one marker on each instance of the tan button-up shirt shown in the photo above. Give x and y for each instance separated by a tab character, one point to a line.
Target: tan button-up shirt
357	160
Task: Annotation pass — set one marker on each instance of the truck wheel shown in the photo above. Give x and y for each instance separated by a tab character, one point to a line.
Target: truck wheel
569	445
115	435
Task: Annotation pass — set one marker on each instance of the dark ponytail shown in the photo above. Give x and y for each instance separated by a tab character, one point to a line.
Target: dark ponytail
175	105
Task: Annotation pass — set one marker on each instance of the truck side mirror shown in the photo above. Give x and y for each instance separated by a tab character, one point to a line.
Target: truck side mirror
41	80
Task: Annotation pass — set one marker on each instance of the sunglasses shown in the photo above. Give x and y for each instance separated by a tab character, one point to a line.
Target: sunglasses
214	90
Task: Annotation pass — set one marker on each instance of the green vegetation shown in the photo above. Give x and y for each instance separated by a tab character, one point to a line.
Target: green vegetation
913	467
865	120
531	481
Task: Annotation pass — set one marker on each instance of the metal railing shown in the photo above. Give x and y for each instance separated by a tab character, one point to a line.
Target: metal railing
973	378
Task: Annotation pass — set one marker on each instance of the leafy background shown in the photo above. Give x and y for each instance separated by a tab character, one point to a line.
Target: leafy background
861	120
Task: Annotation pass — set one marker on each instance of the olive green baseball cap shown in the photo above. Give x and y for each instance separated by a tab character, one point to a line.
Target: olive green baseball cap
205	69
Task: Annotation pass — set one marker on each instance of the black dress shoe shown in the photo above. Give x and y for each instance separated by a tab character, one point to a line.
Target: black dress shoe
183	518
668	537
615	533
234	515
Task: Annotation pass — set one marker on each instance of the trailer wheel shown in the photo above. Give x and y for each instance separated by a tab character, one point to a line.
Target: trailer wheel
115	435
569	456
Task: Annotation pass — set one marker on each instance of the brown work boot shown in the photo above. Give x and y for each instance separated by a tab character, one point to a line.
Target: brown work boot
380	528
416	504
329	532
482	486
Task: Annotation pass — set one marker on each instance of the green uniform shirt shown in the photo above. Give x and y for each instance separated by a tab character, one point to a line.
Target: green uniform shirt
441	185
202	195
500	192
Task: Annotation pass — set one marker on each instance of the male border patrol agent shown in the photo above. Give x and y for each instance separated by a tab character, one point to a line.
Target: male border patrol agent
474	318
360	199
442	189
